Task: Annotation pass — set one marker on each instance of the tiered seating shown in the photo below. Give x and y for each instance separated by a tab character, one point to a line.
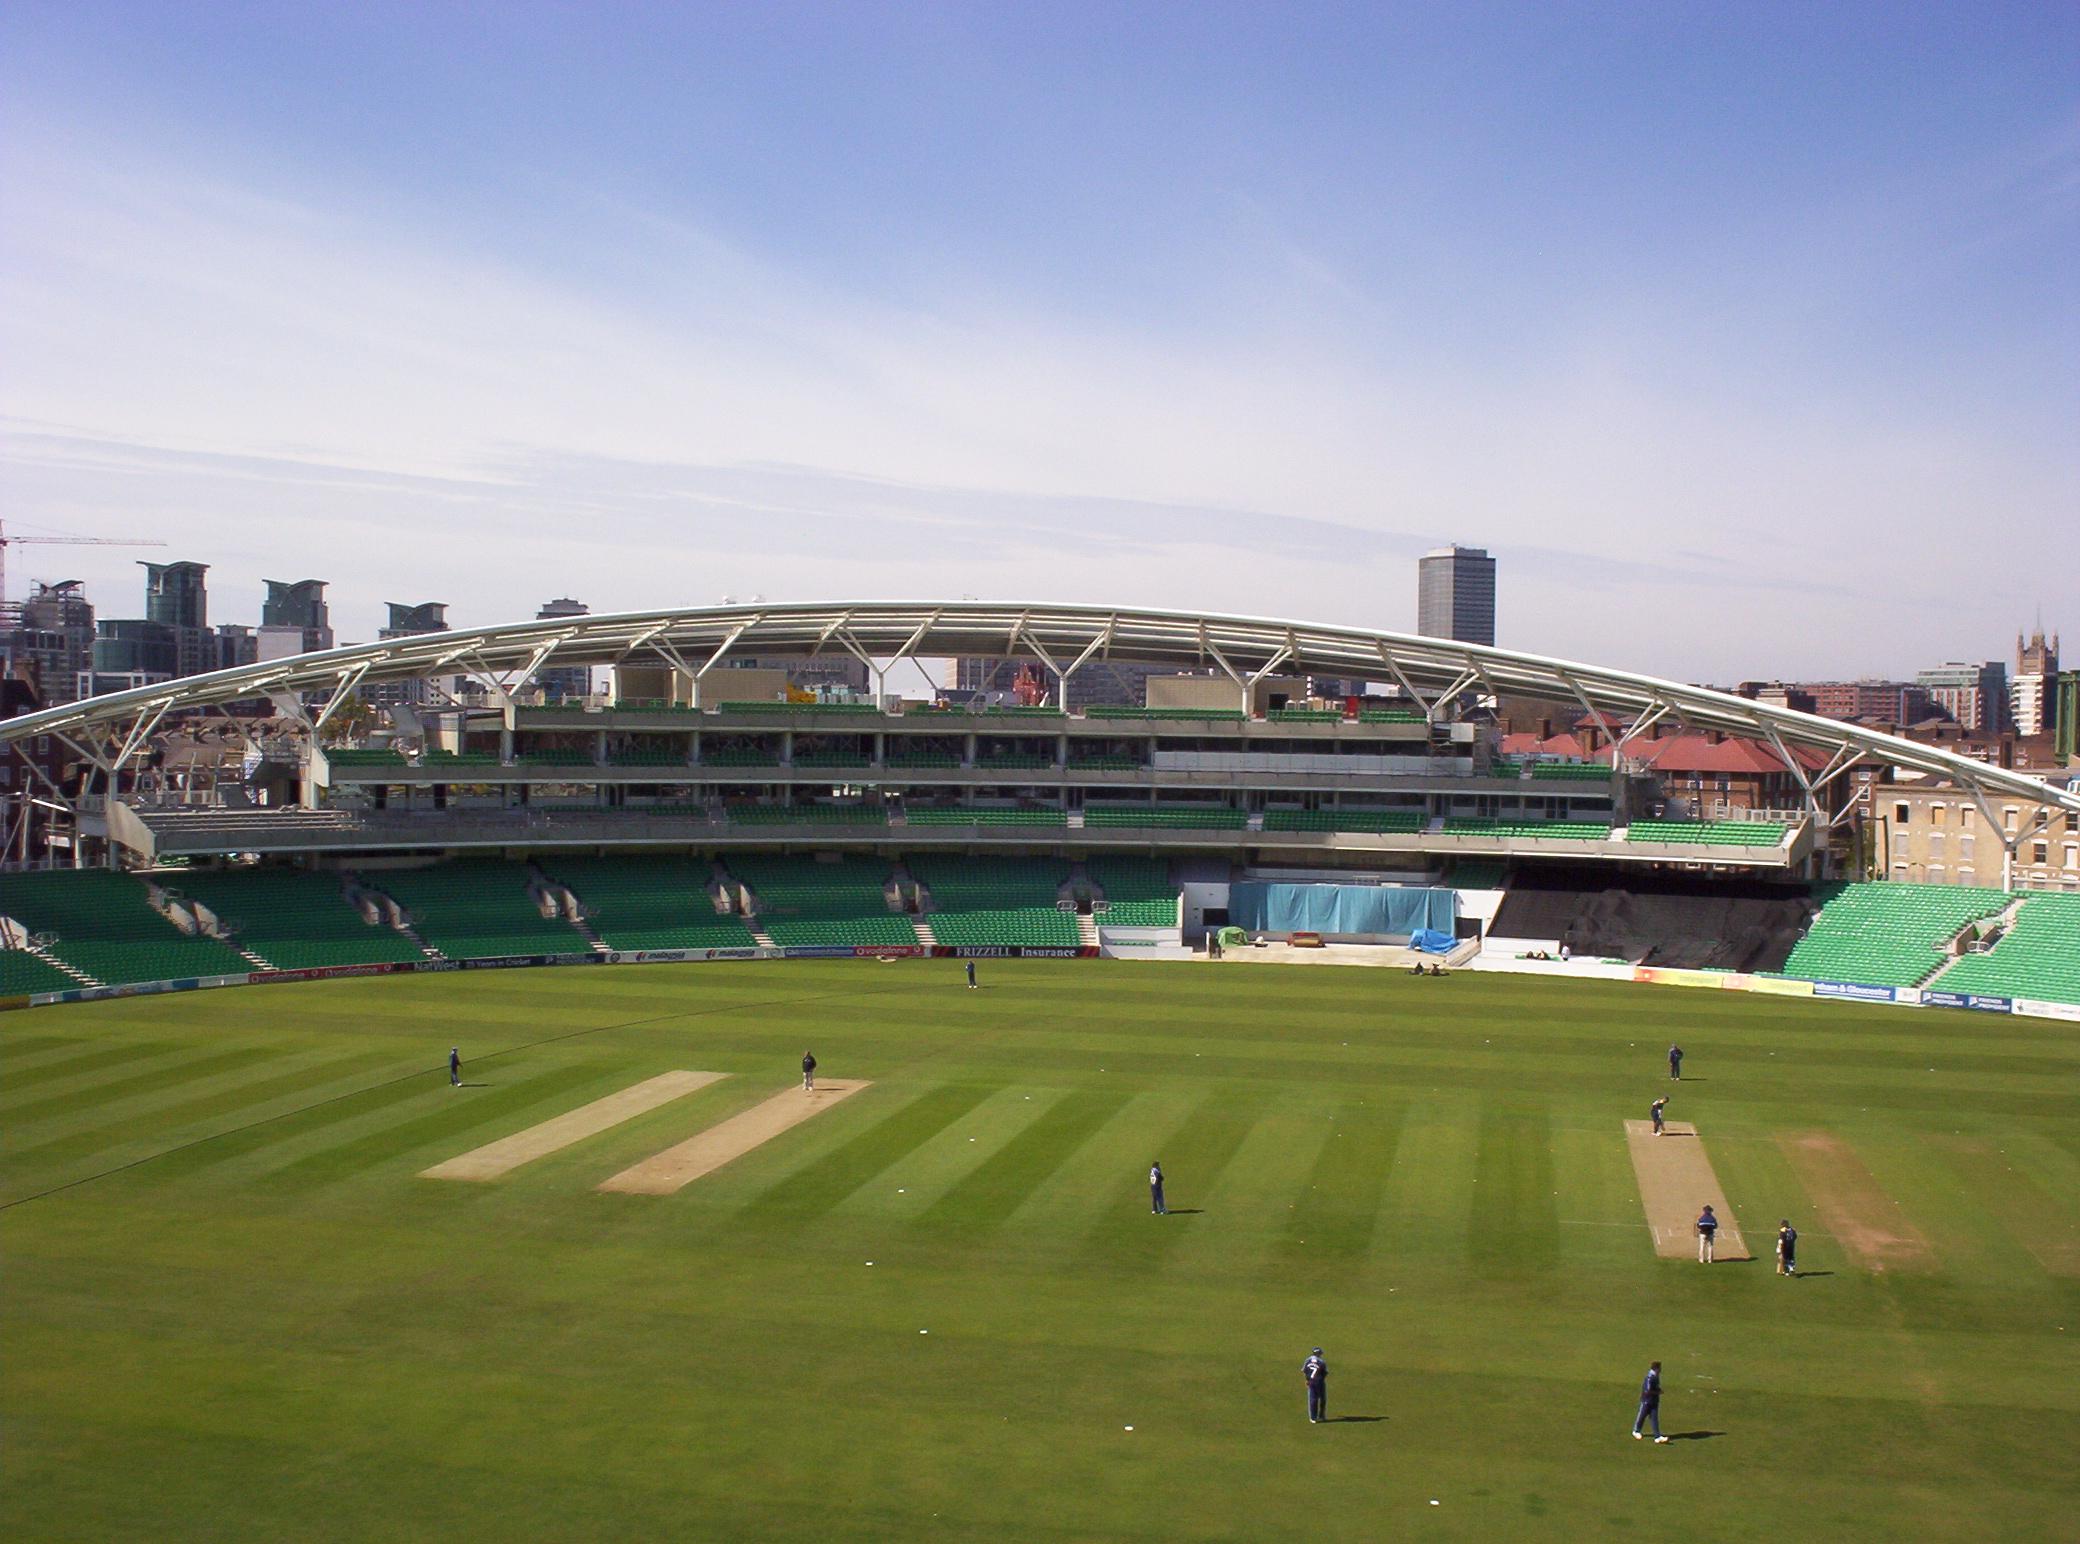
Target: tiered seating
1390	716
1479	874
648	902
801	902
1887	934
1305	716
908	758
554	756
1014	761
653	705
1088	763
978	901
459	759
339	756
829	757
980	815
1016	711
1139	892
817	709
646	758
1717	833
104	924
1233	715
740	756
2038	957
1502	766
22	973
1192	817
1394	822
1569	772
292	918
808	815
1538	830
476	907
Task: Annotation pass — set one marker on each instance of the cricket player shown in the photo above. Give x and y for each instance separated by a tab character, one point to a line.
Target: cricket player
1316	1372
1675	1063
1707	1226
1787	1248
1155	1190
808	1073
454	1066
971	975
1649	1403
1660	1127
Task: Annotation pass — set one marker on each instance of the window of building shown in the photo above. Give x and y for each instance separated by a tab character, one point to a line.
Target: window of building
2072	855
2008	814
1938	814
1902	814
1935	844
1965	818
2042	851
1935	873
1964	849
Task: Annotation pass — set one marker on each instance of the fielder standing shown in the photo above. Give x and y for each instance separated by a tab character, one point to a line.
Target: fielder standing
454	1066
1787	1249
1316	1372
1155	1190
808	1073
1675	1063
1649	1403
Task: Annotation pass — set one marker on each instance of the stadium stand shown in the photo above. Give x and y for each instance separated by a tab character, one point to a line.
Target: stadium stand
1390	716
808	815
1888	934
813	709
1393	822
2037	957
1139	892
1194	817
104	924
340	757
983	901
981	815
801	902
1568	772
1577	830
1685	921
648	902
740	756
473	908
459	759
295	919
1305	716
1723	833
22	973
1225	715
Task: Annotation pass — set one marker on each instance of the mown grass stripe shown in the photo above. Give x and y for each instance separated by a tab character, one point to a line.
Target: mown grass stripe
1339	1209
814	1189
78	1065
329	1164
1514	1229
996	1187
168	1119
246	1141
159	1078
1195	1158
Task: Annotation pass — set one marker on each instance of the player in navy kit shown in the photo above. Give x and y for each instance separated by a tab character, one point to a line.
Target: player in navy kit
454	1066
1787	1249
1649	1403
1155	1190
1707	1230
1316	1372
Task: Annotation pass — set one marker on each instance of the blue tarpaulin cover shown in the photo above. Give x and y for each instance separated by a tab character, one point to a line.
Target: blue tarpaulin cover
1430	941
1264	907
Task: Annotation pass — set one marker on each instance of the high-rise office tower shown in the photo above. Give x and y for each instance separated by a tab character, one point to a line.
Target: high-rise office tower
1455	595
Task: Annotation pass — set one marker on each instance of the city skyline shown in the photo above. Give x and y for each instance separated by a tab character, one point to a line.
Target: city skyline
1698	335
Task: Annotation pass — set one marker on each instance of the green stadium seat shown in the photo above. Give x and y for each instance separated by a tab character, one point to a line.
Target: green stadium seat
293	918
1383	822
1139	892
104	924
802	902
1209	817
2038	957
1716	833
987	901
476	907
1887	934
648	902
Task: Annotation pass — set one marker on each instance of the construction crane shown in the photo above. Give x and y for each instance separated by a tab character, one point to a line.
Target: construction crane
7	541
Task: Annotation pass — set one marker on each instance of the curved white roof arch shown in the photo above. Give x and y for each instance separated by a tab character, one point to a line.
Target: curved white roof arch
1061	638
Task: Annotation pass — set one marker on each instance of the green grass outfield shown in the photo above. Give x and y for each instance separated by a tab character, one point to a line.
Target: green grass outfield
232	1310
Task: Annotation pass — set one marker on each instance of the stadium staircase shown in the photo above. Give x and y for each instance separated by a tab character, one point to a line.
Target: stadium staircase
804	902
985	902
647	902
477	907
1884	933
104	925
2036	954
20	972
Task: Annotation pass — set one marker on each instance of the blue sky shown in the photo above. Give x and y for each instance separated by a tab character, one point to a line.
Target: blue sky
1747	338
